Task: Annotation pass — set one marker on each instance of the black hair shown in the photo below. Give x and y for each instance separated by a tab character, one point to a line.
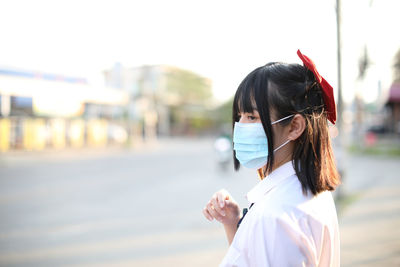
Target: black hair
291	89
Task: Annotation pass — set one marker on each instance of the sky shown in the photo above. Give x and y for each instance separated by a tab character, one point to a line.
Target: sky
222	40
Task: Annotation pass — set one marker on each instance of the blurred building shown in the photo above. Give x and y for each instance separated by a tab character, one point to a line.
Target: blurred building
166	100
39	110
43	110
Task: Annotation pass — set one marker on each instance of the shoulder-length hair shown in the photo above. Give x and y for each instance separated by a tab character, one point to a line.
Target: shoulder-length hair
292	89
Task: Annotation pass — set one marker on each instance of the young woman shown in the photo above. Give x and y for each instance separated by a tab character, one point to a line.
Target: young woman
280	122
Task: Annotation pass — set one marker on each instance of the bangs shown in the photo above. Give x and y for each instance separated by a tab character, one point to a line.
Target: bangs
251	92
244	99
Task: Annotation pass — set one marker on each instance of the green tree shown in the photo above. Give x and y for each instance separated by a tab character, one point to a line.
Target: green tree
396	67
224	112
188	86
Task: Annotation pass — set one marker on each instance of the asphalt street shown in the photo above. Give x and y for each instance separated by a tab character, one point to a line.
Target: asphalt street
141	207
113	207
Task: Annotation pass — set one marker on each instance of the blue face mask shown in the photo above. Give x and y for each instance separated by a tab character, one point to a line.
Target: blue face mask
251	144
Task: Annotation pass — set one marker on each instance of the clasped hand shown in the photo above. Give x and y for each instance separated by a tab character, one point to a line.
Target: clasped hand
223	208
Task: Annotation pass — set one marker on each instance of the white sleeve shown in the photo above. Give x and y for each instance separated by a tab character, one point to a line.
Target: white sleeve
282	241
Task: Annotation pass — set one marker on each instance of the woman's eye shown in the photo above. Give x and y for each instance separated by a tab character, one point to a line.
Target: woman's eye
251	118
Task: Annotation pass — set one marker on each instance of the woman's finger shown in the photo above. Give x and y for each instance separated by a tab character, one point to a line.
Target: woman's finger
221	197
207	214
212	211
217	206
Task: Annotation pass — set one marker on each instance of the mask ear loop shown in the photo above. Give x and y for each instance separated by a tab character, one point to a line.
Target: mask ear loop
260	171
287	117
276	149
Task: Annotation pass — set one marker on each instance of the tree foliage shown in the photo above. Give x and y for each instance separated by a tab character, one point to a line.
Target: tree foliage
188	86
396	67
225	111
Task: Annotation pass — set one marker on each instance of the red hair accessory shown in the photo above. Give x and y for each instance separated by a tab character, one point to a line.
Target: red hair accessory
327	89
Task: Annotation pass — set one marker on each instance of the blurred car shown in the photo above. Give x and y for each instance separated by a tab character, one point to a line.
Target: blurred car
377	129
223	148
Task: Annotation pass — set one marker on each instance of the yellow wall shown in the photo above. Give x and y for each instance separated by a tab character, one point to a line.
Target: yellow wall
37	133
76	131
34	137
97	132
58	133
5	126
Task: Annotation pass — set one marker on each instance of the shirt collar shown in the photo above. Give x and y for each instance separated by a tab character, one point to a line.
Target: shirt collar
269	182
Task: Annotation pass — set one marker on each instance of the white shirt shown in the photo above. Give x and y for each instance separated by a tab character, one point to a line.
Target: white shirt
284	227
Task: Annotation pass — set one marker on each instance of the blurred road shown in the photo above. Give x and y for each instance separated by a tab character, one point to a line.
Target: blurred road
119	207
369	222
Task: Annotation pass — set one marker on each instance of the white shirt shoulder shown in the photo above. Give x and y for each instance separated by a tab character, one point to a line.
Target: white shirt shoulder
285	227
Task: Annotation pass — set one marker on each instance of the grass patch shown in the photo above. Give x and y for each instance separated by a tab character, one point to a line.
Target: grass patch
386	150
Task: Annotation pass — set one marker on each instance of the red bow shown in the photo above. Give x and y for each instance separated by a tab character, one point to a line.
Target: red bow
327	89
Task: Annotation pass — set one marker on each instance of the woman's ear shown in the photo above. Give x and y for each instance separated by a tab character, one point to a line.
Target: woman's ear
296	127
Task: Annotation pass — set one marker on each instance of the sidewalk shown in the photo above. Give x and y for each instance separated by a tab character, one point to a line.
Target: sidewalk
369	222
68	153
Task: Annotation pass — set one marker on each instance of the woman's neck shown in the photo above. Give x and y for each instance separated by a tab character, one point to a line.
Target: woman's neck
262	173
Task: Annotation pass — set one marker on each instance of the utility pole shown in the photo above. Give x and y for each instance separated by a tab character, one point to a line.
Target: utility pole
340	154
339	68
